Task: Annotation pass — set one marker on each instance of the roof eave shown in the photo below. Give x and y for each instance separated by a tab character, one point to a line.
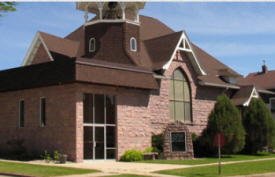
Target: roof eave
218	85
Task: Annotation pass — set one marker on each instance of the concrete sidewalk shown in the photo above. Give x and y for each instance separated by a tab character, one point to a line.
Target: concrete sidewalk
115	168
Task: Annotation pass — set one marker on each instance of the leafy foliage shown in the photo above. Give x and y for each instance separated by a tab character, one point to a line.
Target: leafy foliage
7	6
259	126
157	143
132	155
224	118
46	156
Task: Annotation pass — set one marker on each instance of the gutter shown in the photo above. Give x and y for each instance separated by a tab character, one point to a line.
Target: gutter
265	91
161	77
113	67
218	85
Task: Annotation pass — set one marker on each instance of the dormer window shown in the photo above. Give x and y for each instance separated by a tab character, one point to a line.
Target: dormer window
92	45
133	44
228	75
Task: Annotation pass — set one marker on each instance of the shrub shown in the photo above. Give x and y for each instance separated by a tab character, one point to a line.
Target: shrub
157	143
150	149
132	155
259	126
224	118
46	156
201	149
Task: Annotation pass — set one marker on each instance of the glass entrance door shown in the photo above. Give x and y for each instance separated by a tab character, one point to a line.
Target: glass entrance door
99	135
99	143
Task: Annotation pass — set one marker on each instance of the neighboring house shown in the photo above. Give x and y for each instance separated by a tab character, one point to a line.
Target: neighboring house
110	84
265	79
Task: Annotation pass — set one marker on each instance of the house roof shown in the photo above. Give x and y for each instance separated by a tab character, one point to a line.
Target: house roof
244	95
158	46
265	80
101	72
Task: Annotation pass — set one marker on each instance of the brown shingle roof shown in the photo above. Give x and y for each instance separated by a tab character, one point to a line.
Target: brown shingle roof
39	75
61	46
264	80
160	50
73	71
210	64
101	72
227	72
243	95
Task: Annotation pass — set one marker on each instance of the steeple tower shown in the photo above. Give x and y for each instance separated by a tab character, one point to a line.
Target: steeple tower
113	35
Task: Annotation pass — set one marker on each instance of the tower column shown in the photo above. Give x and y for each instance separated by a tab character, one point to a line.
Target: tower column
123	6
100	7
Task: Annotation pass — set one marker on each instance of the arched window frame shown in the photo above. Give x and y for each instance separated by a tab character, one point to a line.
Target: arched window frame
133	47
92	45
175	103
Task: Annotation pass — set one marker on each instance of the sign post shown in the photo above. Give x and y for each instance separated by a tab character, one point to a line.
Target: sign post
219	142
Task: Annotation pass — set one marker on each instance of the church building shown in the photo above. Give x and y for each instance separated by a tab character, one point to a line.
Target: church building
111	84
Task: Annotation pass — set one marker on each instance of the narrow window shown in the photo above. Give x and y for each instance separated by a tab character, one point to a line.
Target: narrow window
21	113
42	112
179	97
272	105
133	44
92	45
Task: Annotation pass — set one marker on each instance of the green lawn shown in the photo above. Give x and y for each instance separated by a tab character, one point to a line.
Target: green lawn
225	158
246	168
126	175
40	170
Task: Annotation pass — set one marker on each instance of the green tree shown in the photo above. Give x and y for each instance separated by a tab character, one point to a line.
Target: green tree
7	6
259	126
224	118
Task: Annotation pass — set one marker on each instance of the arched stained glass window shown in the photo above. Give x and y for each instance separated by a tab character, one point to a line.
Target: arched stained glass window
179	97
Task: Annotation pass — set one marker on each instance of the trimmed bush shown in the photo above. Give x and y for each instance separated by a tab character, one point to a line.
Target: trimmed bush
132	155
259	125
224	118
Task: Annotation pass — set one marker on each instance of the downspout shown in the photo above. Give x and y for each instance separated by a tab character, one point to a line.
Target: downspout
224	90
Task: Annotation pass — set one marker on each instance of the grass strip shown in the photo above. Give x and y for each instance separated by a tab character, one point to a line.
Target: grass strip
245	168
40	170
127	175
225	158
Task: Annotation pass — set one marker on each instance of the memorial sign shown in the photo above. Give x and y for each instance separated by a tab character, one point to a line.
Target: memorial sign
178	140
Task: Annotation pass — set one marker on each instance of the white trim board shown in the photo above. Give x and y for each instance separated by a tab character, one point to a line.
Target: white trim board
193	57
37	41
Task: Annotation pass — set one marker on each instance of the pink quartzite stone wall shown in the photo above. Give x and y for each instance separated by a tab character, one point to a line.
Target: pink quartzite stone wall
203	98
177	127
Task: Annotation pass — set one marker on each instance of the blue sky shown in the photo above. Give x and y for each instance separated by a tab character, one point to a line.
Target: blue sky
239	34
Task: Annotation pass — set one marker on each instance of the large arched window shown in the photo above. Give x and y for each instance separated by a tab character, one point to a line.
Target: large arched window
179	97
92	45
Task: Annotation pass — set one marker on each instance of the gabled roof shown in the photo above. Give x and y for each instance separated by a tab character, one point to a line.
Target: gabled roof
244	95
227	72
264	80
51	43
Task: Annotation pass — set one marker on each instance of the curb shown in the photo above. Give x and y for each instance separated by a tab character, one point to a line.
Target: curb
13	174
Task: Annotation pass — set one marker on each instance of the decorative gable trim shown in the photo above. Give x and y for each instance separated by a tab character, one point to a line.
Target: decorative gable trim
254	94
184	44
37	41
